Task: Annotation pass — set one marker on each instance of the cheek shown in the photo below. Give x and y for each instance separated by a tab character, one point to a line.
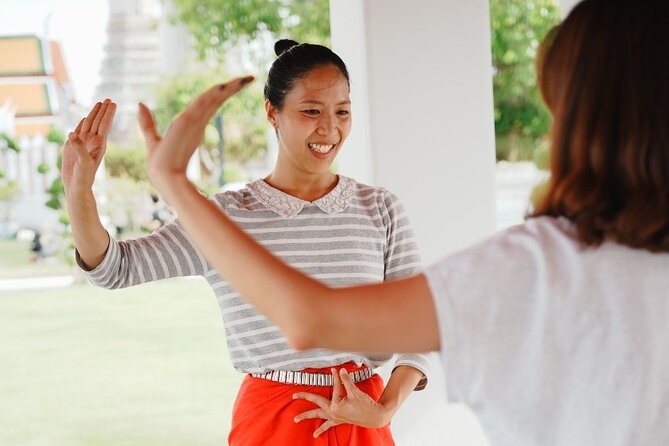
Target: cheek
346	129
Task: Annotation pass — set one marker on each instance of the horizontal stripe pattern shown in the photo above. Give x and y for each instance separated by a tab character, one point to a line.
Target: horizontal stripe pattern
369	241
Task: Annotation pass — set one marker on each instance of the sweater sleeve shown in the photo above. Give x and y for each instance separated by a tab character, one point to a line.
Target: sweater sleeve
166	253
402	259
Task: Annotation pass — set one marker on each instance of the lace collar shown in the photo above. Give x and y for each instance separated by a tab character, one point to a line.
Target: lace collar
289	206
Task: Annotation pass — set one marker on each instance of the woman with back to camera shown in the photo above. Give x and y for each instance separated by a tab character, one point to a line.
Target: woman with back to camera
555	331
329	226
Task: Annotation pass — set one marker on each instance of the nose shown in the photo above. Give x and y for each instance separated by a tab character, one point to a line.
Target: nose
326	124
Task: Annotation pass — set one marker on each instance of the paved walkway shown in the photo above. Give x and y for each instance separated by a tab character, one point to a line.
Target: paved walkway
34	283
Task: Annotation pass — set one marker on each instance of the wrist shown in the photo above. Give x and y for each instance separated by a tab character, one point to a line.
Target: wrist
388	409
78	192
171	186
166	180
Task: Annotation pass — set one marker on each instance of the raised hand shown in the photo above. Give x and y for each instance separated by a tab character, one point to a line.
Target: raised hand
354	407
85	147
169	155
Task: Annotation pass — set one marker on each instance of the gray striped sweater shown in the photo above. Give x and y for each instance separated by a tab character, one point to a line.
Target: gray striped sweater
355	234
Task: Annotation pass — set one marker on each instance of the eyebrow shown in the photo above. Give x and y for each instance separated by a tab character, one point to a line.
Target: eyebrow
314	101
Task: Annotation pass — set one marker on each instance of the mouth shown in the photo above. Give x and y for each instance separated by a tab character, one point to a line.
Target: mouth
321	148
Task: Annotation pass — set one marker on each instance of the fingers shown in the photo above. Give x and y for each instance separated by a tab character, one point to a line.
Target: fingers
348	383
79	147
325	426
205	105
311	414
318	400
86	127
148	126
95	125
106	121
336	386
81	123
231	87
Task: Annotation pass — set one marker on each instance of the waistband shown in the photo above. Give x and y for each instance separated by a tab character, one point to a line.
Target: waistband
310	378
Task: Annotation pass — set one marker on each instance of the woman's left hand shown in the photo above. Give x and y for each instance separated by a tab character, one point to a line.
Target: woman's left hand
354	407
169	155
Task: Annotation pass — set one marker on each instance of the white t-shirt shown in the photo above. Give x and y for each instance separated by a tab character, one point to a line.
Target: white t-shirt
550	343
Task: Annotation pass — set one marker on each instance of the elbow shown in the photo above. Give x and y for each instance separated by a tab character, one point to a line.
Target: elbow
309	321
301	341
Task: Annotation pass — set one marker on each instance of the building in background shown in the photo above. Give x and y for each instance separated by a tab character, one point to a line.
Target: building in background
36	96
34	81
131	68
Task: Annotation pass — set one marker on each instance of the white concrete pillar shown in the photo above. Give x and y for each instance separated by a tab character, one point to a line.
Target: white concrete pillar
423	111
423	127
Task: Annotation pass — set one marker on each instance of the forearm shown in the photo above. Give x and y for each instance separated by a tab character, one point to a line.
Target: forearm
90	237
401	384
275	289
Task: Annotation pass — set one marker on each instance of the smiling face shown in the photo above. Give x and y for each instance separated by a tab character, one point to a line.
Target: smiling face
313	122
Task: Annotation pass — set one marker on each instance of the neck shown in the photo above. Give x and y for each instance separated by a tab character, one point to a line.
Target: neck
308	187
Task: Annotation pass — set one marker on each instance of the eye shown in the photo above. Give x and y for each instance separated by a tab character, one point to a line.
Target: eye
310	112
343	112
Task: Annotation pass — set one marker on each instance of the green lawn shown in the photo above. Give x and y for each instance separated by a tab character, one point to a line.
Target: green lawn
15	262
143	366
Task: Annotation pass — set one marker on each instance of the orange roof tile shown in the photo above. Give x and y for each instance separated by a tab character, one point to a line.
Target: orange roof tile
21	55
28	99
59	68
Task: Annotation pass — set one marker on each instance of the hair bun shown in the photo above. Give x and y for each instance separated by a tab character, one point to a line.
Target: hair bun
283	45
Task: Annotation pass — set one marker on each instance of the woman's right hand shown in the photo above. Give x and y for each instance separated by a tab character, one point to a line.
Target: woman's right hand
85	147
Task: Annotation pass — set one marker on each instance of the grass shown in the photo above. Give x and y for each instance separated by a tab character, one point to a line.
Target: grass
15	262
143	366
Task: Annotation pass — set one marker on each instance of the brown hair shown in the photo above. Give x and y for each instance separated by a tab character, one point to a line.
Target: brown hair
604	74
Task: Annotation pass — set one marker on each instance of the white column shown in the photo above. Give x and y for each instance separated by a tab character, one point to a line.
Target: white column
423	127
423	111
348	29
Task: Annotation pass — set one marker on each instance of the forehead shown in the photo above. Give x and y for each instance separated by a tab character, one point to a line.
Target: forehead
322	83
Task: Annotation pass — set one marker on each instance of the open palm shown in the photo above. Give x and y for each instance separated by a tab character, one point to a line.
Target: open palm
85	146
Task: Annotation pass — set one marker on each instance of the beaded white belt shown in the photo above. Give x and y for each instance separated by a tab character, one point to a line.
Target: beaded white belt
310	379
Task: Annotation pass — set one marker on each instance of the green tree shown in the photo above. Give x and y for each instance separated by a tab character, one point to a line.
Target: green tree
7	142
126	162
521	118
215	23
244	123
55	135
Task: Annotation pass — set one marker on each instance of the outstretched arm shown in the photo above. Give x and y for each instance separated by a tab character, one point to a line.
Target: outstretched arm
372	318
82	154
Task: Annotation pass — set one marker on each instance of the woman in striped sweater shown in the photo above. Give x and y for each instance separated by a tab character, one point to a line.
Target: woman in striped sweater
329	226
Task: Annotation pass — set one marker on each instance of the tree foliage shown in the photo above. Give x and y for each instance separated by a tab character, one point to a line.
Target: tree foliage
518	26
244	123
217	23
126	162
8	142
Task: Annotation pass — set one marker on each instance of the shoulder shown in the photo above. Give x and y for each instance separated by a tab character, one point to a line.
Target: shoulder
514	256
380	195
237	198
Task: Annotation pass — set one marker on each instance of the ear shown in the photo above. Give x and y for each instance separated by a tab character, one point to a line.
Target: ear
271	112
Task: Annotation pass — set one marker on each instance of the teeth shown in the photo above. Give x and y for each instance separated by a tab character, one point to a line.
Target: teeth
321	148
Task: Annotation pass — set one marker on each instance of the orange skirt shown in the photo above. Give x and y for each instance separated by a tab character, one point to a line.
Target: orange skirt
264	411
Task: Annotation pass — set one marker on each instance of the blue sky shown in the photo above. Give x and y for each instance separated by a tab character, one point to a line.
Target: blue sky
79	25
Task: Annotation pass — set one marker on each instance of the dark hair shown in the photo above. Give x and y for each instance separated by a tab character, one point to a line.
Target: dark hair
604	74
294	62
